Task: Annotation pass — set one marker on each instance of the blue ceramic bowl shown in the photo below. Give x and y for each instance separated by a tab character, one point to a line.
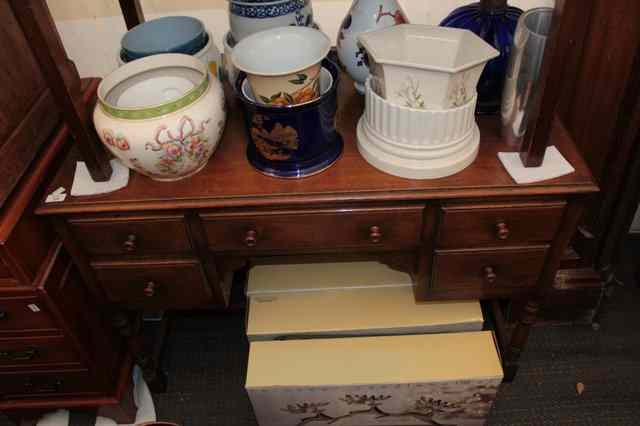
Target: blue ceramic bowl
171	34
293	141
126	58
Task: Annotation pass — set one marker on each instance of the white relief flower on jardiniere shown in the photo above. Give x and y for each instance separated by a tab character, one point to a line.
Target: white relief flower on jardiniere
364	16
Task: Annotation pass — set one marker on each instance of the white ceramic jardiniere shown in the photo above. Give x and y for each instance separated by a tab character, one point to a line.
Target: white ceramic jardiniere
427	67
414	143
162	116
247	17
363	16
290	73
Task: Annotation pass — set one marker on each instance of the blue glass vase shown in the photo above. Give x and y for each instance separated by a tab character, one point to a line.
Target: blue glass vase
495	22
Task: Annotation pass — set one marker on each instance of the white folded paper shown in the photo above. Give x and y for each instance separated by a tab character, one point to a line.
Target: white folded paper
83	184
553	166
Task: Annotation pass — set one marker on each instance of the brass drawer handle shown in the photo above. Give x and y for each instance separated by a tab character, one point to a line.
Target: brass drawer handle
130	245
490	275
150	289
502	231
251	238
19	356
375	234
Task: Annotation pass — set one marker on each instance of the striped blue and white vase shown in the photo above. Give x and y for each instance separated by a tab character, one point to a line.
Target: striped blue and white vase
250	16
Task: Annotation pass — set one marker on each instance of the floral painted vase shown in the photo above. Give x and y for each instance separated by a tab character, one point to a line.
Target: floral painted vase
363	16
165	125
495	22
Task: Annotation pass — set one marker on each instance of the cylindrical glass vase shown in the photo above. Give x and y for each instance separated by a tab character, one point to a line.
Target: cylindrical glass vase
523	73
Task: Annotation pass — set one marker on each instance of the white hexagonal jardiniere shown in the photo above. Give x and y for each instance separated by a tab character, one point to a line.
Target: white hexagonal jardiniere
426	67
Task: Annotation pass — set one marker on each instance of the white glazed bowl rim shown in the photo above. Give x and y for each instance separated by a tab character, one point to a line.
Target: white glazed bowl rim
258	42
148	63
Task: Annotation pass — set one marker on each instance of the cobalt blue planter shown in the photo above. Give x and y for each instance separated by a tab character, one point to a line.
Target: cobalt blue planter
495	22
293	141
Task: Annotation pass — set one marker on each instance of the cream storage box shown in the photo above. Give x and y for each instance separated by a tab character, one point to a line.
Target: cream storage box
292	278
346	299
355	312
444	379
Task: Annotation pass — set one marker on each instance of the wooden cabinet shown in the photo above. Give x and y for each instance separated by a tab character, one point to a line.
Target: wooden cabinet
476	234
29	114
57	346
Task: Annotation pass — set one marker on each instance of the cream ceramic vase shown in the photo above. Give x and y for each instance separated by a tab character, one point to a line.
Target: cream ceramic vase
363	16
162	116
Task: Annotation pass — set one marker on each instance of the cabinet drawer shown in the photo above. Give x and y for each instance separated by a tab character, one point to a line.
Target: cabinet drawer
135	235
385	227
50	383
177	284
487	270
24	314
30	352
499	224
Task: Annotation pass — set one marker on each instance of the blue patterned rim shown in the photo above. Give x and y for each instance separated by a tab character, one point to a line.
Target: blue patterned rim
262	10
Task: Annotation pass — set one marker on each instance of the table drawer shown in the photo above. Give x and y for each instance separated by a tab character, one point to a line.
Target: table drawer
24	314
479	225
488	270
175	284
30	352
50	383
131	235
395	227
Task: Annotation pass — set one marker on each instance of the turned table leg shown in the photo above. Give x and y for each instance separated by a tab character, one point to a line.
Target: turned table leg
518	339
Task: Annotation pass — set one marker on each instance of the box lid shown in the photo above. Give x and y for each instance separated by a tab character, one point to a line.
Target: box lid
323	276
378	311
373	360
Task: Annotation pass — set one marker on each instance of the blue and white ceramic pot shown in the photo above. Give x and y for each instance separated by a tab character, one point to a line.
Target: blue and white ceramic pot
250	16
363	16
293	141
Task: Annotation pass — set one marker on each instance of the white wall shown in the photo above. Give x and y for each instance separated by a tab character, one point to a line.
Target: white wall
91	29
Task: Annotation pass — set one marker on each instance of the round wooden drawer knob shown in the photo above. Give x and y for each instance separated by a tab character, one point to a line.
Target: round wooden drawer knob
490	275
3	315
502	231
375	234
130	244
251	238
150	289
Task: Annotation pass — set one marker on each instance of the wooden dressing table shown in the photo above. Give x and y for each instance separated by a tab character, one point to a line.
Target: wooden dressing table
475	235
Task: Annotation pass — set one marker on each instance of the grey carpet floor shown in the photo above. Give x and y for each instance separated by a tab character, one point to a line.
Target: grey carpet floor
206	360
